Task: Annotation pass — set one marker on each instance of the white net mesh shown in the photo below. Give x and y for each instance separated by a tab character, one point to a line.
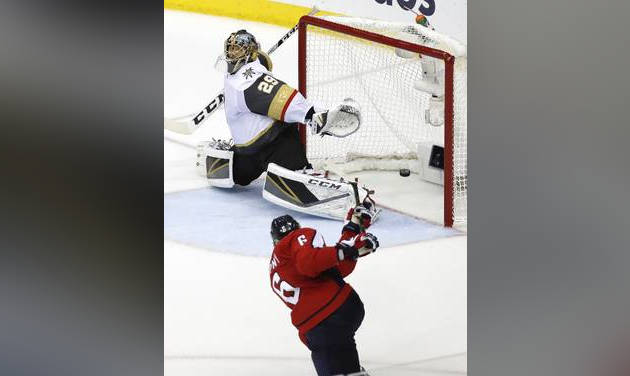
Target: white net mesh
381	79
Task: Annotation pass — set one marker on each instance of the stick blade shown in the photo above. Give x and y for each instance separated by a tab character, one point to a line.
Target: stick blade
182	127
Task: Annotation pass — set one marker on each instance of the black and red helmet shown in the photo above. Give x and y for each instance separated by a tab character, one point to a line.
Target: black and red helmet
282	226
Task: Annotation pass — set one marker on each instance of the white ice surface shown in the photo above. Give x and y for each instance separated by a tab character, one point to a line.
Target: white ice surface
221	317
220	314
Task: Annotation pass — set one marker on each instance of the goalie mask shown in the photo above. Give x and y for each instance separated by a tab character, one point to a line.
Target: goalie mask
240	48
282	226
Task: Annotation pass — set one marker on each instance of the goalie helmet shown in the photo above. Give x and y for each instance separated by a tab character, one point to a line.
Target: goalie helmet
240	48
282	226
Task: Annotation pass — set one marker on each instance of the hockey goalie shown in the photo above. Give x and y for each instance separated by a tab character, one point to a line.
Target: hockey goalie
263	114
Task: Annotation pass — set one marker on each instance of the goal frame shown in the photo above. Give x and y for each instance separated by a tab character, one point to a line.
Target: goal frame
449	70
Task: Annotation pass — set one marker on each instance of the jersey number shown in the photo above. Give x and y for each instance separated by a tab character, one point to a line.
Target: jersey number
285	291
267	84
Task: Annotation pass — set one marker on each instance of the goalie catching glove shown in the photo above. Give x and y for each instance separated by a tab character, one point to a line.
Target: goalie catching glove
342	121
359	246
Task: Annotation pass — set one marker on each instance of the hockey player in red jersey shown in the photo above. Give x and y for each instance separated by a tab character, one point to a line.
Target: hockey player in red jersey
307	275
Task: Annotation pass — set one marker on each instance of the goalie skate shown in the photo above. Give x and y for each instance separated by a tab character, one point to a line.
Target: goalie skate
311	193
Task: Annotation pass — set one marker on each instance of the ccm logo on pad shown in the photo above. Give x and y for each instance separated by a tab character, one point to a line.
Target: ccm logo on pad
324	184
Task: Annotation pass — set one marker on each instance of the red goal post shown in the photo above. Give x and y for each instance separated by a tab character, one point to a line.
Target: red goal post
448	61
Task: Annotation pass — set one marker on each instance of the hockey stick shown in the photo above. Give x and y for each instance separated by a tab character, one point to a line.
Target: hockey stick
355	188
189	124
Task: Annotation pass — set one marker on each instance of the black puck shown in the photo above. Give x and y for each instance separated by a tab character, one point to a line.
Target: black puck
404	172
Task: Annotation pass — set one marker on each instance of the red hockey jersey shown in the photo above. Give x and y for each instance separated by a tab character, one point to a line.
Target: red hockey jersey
307	276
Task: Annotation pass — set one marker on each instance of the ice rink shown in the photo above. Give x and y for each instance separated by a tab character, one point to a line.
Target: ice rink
220	315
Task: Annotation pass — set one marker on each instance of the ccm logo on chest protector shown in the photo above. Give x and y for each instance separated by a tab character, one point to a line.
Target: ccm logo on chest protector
324	184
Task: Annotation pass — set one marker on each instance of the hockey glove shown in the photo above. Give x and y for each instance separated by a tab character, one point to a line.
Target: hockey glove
367	243
341	121
346	250
360	217
359	246
318	122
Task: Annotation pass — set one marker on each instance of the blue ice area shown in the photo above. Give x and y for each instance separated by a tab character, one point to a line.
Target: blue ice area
237	221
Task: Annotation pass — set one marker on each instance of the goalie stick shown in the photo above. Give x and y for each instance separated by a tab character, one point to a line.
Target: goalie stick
189	123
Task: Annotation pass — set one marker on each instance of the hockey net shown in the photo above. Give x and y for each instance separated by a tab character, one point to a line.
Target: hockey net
378	63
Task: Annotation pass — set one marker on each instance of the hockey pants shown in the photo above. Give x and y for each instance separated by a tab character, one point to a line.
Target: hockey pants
332	345
286	151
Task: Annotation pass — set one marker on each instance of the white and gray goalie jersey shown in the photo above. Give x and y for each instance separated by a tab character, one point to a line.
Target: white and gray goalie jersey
258	105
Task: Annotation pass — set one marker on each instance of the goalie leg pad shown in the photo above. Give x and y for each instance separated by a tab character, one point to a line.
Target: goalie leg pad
308	193
217	166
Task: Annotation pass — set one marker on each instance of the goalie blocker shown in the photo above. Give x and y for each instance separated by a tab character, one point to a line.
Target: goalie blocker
311	194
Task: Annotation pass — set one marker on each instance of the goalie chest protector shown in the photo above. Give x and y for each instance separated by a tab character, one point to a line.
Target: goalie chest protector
257	105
